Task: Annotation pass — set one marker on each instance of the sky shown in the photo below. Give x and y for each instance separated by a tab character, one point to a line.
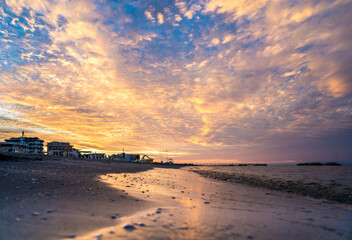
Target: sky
206	80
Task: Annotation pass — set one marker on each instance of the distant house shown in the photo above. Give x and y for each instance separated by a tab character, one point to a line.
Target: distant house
75	153
62	149
13	147
125	157
94	155
34	144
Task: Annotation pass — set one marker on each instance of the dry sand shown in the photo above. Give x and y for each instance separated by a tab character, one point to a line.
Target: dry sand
102	200
55	199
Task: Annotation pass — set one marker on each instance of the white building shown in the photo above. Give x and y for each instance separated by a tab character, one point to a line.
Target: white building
14	147
34	144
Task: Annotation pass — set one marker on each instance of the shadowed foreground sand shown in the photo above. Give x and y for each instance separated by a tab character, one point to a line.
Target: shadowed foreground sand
90	200
55	199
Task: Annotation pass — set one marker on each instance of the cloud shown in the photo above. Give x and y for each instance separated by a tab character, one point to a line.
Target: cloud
238	8
225	77
149	15
192	10
228	38
178	18
160	18
215	41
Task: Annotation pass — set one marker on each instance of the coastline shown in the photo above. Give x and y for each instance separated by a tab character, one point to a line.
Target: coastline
78	199
313	187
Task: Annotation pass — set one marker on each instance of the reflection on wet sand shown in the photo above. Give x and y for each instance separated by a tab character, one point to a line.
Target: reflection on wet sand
188	206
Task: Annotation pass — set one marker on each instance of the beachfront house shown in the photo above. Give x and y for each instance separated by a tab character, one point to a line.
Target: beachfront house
63	149
13	147
34	144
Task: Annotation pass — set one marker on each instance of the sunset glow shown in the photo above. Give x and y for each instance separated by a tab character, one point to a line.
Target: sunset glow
247	81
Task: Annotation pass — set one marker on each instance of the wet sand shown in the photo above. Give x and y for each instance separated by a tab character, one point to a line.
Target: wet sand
193	207
92	200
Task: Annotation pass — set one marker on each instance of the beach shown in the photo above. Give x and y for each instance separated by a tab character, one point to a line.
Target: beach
75	199
53	199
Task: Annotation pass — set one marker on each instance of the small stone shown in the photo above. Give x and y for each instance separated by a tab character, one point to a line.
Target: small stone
111	232
18	219
206	202
35	213
71	236
48	211
113	217
129	227
173	197
44	218
249	237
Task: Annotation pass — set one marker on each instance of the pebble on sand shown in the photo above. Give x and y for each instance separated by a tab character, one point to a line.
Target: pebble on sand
35	213
129	227
98	237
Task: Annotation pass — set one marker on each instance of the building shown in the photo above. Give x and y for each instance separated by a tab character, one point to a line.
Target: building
63	149
75	153
35	145
13	147
94	155
125	157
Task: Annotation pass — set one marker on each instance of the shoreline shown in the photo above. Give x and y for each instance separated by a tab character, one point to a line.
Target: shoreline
190	206
331	192
77	199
